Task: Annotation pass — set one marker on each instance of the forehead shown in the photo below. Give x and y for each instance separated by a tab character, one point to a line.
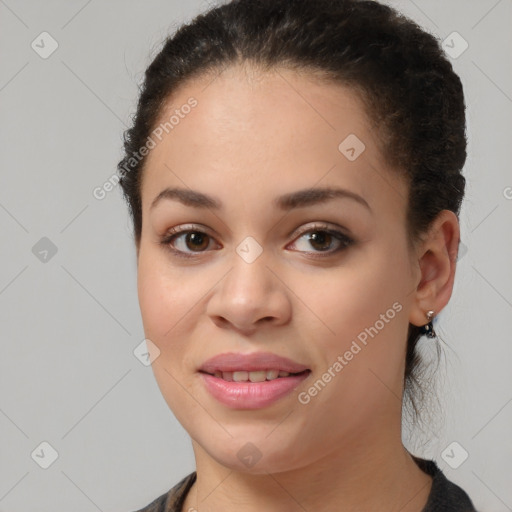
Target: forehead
249	129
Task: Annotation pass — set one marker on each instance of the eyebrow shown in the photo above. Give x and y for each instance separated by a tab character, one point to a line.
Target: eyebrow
297	199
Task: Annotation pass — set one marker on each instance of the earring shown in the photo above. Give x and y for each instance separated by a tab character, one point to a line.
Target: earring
428	328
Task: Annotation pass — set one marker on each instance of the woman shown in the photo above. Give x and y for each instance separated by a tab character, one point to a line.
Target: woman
293	173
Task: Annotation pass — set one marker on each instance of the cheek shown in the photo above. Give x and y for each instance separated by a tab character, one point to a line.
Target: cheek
171	304
360	310
163	296
153	301
350	299
163	303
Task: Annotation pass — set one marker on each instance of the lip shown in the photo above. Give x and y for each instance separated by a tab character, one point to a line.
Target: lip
231	362
251	395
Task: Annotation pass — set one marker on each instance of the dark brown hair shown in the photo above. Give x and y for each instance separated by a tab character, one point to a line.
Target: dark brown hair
407	84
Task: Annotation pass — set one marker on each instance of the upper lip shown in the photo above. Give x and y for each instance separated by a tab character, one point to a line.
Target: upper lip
231	362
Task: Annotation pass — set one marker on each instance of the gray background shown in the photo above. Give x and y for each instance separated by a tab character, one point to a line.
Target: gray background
70	324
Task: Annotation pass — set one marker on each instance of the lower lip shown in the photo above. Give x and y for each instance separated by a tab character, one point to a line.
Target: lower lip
251	395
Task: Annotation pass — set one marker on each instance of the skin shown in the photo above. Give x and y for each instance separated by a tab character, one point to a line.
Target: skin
252	137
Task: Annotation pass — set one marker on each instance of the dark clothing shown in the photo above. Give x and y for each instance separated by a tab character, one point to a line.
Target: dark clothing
445	496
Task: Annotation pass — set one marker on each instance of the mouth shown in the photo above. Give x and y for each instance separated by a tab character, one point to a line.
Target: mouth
250	389
254	376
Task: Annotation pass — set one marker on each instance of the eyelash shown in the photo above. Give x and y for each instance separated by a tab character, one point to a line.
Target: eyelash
317	228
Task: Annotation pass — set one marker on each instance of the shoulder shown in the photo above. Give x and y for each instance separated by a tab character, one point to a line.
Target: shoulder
172	500
445	496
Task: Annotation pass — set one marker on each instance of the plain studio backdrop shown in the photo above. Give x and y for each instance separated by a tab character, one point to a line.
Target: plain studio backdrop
74	396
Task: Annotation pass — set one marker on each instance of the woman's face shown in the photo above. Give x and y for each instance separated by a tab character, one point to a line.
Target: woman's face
265	277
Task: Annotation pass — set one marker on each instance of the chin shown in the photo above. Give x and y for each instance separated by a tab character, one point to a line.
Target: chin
257	458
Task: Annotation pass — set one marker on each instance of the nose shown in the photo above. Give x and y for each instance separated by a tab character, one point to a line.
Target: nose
249	297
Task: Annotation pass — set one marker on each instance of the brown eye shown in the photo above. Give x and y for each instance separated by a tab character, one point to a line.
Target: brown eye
186	243
189	243
195	240
320	240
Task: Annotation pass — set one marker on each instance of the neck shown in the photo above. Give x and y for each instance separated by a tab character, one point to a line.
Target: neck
362	476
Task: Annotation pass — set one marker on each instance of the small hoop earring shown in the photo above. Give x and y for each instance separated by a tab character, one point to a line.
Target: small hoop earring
428	328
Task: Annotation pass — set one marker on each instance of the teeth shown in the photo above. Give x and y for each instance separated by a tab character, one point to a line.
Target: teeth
260	376
272	374
256	376
240	376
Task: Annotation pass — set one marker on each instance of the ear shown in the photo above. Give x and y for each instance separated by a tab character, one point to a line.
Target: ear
437	257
